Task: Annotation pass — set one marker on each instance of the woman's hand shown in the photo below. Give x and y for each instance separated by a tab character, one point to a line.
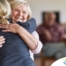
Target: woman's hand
13	27
2	41
30	40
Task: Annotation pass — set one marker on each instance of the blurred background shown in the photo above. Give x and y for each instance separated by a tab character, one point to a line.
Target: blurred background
39	10
40	6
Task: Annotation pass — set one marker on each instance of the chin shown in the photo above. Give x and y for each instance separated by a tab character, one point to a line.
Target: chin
60	62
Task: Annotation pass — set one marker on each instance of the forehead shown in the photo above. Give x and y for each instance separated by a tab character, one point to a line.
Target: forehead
50	15
22	7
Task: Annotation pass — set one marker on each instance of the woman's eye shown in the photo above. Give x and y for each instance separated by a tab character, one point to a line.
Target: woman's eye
16	10
24	12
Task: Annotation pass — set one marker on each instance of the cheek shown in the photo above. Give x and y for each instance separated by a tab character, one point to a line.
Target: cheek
14	13
25	16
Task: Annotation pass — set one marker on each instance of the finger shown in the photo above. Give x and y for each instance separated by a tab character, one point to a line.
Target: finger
7	30
1	36
2	39
1	46
2	42
4	26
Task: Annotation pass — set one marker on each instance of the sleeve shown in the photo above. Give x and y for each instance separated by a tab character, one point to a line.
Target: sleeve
39	44
29	25
32	24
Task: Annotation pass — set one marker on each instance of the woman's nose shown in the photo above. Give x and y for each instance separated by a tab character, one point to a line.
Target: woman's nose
20	13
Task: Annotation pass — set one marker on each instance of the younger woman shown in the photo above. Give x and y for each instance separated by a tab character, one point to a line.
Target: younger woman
14	52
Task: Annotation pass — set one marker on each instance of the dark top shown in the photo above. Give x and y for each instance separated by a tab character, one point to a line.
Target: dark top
56	32
14	46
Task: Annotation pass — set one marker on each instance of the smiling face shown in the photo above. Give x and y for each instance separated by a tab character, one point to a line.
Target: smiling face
20	13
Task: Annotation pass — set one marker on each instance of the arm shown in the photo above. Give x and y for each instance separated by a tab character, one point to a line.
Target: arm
42	31
25	35
30	40
47	35
39	44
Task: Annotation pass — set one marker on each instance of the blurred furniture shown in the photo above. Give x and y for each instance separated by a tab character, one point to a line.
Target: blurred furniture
44	59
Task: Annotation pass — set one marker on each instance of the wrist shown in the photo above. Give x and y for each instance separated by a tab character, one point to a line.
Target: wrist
18	29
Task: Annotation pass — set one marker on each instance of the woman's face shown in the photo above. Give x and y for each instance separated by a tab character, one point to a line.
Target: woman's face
20	13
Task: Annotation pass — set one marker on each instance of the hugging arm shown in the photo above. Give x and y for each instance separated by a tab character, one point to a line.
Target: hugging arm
22	30
29	39
39	43
34	37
